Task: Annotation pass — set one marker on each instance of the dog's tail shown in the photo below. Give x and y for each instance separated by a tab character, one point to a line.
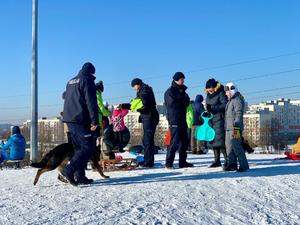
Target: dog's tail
37	165
43	162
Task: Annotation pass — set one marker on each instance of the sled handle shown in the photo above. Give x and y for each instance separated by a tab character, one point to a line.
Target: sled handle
211	115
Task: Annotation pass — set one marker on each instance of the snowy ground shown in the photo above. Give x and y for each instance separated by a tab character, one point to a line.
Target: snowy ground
268	194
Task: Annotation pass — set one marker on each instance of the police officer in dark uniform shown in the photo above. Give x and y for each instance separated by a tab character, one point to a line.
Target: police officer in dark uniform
81	115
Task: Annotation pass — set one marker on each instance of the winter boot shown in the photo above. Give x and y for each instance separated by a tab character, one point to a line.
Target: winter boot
225	157
232	167
185	165
217	162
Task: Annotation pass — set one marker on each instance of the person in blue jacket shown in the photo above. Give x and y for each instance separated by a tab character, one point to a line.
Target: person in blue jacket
14	149
81	116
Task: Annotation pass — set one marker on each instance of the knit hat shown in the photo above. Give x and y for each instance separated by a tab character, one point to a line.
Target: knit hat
211	83
178	75
88	69
136	81
231	87
99	86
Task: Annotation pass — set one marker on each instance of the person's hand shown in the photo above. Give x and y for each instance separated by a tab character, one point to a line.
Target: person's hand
93	127
237	133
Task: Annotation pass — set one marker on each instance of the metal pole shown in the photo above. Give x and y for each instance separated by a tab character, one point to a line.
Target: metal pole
34	85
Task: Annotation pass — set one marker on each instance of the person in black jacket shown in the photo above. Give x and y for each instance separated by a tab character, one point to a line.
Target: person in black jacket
216	101
176	101
81	115
149	118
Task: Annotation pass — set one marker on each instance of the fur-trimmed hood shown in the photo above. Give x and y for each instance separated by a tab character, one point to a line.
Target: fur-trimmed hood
217	89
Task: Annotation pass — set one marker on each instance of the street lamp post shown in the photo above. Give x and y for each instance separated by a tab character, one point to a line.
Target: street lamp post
34	85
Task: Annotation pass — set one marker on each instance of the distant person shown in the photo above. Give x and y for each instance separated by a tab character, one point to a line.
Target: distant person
197	147
216	101
177	101
149	117
119	124
103	112
81	116
234	129
14	148
189	122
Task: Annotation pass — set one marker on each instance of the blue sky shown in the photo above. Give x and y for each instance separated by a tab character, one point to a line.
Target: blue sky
127	39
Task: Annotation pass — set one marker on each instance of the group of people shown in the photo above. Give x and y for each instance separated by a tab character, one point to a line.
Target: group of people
226	104
85	113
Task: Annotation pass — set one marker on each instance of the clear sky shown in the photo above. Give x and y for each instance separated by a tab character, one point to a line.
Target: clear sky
151	40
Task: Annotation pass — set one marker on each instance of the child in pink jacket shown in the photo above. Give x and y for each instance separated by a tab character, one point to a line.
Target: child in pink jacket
119	124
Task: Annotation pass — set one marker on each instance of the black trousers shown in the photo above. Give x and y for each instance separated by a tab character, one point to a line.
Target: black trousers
149	126
179	142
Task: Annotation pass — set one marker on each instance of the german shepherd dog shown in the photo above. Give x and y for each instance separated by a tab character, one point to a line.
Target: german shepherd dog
59	157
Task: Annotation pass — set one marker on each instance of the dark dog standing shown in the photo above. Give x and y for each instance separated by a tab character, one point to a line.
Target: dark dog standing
59	157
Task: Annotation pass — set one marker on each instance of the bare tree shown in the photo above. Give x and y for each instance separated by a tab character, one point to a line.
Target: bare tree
44	138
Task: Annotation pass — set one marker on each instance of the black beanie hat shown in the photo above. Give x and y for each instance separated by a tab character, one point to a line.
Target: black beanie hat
88	68
136	81
211	83
178	75
99	86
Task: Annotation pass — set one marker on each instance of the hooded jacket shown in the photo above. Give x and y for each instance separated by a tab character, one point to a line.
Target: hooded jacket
198	109
80	104
234	112
16	145
176	101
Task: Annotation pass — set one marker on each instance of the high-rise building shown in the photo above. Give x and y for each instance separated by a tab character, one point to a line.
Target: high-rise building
49	130
258	127
286	113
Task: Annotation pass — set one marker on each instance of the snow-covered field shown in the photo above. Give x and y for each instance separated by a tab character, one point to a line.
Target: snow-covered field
268	194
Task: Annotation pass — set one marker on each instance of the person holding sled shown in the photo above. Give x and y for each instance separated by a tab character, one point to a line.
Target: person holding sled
216	101
149	117
234	129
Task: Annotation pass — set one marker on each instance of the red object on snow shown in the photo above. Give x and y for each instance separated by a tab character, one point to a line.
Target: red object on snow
292	156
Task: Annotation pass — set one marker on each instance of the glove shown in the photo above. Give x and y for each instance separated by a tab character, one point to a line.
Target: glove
236	133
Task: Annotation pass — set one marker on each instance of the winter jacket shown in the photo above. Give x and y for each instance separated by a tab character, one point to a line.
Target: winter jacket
176	101
80	104
198	109
216	104
102	110
118	119
234	112
16	145
148	111
189	116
